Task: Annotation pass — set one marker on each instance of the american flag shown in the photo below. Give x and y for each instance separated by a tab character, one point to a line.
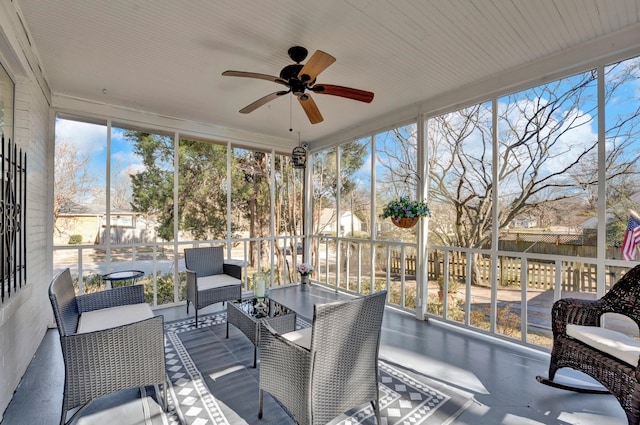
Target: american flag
631	238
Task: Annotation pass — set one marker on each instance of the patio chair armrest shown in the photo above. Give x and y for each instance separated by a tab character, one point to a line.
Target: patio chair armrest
192	277
284	366
192	284
234	270
575	311
98	363
114	297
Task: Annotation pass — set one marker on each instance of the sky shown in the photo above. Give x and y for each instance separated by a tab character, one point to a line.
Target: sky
91	140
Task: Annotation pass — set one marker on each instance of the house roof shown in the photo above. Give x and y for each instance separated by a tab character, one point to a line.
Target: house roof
74	209
166	57
327	216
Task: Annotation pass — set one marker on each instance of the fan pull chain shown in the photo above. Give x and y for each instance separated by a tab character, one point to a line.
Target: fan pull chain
290	113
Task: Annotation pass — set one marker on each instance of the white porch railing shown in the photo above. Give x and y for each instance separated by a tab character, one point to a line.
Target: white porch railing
488	291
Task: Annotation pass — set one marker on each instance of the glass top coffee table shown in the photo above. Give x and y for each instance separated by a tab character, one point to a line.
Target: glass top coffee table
246	315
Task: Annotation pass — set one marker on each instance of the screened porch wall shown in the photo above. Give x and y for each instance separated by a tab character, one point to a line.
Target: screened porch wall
502	280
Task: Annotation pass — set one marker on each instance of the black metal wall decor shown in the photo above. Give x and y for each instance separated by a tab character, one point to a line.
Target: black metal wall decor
13	214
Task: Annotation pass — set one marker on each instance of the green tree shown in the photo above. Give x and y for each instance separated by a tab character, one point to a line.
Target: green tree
202	198
202	190
201	185
252	198
152	187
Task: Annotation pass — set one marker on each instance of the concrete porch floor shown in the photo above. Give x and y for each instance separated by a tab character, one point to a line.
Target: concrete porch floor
500	376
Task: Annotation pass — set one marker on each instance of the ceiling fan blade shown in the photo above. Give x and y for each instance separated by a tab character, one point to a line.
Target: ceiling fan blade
348	92
315	65
311	109
255	75
258	103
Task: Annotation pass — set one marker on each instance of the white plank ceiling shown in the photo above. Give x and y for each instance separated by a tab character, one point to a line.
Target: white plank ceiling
167	56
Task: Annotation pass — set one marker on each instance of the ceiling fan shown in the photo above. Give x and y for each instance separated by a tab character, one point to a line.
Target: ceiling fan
298	79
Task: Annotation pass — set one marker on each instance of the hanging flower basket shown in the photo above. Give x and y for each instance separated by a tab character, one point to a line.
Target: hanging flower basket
404	222
404	212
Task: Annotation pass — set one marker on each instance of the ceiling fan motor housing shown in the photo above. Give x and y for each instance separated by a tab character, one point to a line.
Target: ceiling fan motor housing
290	72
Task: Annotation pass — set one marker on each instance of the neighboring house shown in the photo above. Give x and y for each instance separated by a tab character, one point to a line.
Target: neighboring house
128	227
346	225
74	219
524	223
591	224
86	225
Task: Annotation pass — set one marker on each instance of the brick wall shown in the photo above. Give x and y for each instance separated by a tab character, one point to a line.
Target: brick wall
25	316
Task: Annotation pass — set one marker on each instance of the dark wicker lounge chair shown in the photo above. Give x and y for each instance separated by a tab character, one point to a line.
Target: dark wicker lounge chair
209	279
110	342
321	372
618	372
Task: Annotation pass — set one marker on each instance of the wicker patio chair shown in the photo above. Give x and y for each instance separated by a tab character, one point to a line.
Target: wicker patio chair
209	279
321	372
610	357
110	342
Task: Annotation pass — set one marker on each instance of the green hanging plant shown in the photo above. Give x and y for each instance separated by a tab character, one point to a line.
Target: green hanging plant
403	207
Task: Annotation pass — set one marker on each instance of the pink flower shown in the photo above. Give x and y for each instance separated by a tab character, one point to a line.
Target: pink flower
304	268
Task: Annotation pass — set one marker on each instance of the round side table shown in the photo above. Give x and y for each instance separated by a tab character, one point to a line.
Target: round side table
122	276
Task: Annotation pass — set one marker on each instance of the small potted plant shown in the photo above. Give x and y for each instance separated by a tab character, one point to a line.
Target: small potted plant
405	212
305	269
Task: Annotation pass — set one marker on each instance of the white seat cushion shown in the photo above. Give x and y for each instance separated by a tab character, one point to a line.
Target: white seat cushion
112	317
617	344
300	337
217	281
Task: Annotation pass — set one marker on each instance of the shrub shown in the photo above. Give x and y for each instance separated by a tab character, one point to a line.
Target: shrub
164	288
75	239
90	283
452	287
454	312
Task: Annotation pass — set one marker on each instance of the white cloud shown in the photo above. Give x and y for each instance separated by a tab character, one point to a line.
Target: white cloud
135	168
88	139
126	163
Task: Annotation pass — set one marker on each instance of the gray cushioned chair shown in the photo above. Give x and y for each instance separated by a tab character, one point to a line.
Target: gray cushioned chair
209	279
110	341
321	372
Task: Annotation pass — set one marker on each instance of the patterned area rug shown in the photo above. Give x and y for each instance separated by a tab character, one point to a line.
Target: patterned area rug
212	382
